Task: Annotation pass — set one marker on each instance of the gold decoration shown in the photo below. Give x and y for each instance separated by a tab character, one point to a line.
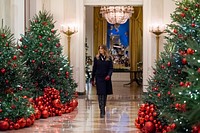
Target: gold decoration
157	30
69	32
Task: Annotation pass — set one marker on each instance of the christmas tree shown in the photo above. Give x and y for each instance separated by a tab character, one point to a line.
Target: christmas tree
172	101
42	53
15	109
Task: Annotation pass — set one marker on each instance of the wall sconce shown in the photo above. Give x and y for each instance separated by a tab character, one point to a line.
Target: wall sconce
69	31
157	30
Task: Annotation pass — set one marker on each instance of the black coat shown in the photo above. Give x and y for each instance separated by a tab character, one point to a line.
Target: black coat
101	69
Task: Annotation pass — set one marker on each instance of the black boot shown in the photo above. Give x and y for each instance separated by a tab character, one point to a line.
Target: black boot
104	99
101	105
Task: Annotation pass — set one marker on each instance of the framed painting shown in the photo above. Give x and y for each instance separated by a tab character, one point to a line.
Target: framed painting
118	44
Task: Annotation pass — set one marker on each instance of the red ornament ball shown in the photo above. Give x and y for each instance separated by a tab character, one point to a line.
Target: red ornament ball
33	61
175	31
53	80
189	51
162	66
3	70
149	127
193	25
45	114
28	122
186	9
11	127
173	126
22	122
183	15
169	64
14	57
37	114
184	61
16	126
75	103
67	73
181	83
57	103
3	35
21	39
4	125
58	45
40	37
44	23
52	30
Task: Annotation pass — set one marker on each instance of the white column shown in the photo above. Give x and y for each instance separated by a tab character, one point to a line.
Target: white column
80	46
5	14
17	17
147	53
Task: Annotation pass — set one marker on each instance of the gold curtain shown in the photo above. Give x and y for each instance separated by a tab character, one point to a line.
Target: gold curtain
100	30
135	34
136	42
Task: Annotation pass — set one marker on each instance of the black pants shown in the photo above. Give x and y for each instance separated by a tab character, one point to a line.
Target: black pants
102	103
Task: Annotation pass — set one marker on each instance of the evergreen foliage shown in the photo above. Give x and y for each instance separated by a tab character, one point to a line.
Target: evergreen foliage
42	54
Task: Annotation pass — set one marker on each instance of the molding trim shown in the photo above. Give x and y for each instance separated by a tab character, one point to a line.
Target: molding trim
113	2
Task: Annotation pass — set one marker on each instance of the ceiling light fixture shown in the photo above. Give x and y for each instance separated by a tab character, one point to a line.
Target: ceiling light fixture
116	14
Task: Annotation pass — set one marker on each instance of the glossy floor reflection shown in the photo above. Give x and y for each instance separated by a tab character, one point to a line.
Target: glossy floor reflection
121	111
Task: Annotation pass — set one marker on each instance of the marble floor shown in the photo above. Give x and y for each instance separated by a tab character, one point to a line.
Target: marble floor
121	111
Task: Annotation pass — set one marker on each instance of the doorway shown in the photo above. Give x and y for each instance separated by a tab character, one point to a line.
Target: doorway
97	33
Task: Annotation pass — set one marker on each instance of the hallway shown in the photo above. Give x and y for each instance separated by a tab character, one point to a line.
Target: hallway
121	111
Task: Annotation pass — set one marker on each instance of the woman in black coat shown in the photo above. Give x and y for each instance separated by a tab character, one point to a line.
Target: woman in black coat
102	72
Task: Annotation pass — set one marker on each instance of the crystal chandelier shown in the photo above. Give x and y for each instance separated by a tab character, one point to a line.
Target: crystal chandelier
116	14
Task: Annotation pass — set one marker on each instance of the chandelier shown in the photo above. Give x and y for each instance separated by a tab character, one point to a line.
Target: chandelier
116	14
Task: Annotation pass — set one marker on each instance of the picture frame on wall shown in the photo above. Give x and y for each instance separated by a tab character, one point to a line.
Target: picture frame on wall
118	44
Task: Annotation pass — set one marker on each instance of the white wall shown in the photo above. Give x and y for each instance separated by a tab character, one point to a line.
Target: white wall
168	8
89	29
